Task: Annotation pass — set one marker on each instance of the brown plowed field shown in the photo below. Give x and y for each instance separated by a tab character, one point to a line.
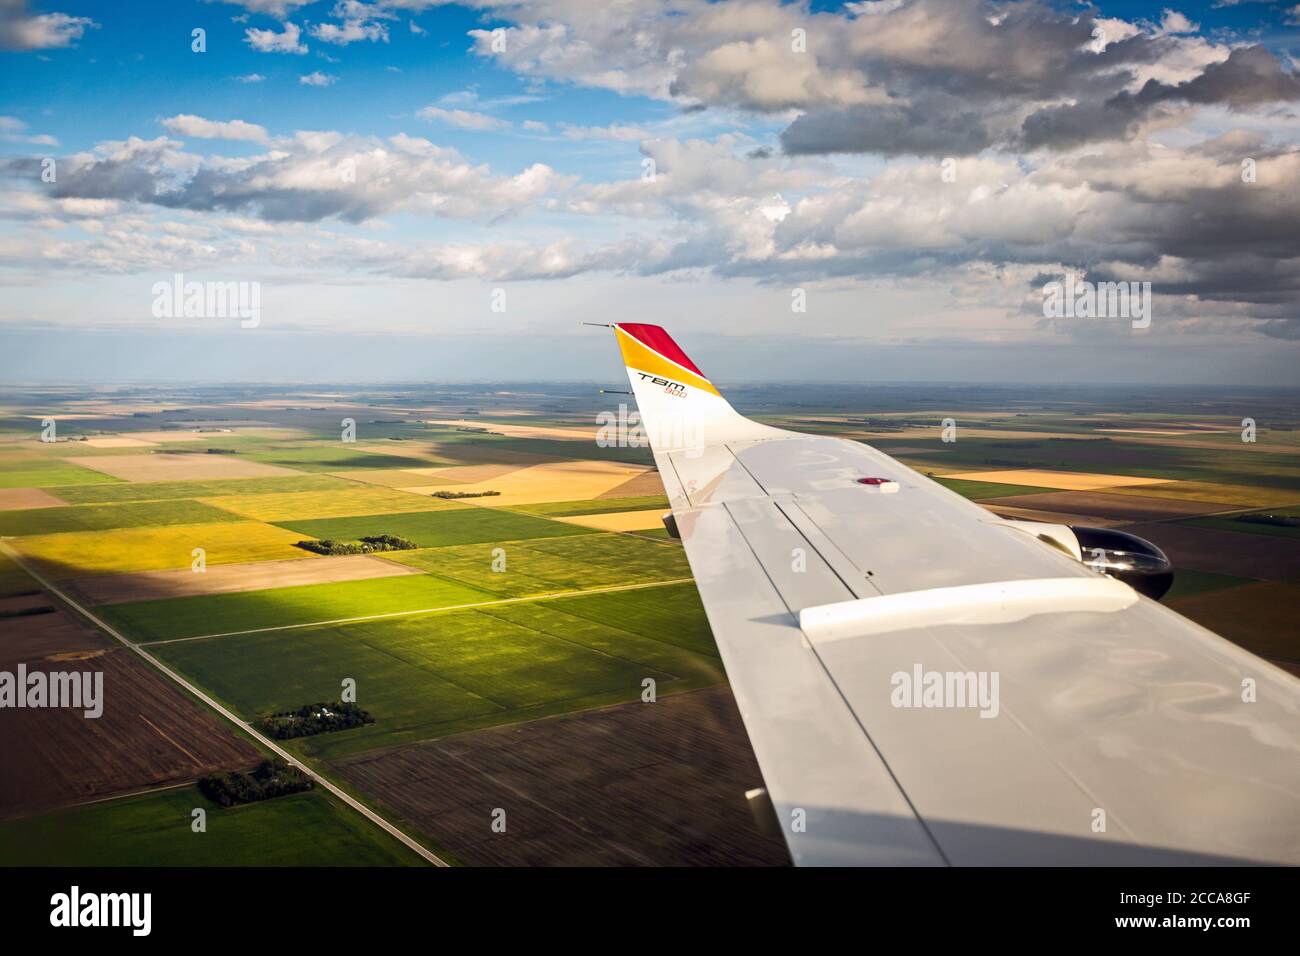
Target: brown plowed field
635	784
149	735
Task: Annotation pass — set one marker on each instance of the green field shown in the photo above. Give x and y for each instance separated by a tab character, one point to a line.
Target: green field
1187	583
277	607
305	829
48	473
160	490
322	456
594	506
433	674
978	490
1245	527
108	517
432	529
546	565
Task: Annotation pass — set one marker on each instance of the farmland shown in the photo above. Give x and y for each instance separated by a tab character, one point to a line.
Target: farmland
308	829
457	524
430	674
508	652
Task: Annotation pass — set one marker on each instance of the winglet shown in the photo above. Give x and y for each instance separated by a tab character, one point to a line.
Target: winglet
649	349
680	408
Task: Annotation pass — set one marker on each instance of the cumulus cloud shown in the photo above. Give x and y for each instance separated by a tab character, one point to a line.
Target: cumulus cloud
895	77
357	21
22	30
268	41
186	124
317	79
308	177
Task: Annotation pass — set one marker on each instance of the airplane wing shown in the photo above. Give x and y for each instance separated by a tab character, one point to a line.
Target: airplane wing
926	683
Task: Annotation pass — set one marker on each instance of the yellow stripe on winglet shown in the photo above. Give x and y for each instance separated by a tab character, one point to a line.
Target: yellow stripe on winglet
644	359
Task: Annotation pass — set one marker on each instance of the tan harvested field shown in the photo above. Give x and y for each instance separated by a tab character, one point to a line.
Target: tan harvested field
553	481
619	520
225	578
1119	507
1243	496
148	735
119	443
290	506
20	499
632	785
76	553
383	477
1261	556
465	474
648	483
32	637
1064	480
163	467
526	431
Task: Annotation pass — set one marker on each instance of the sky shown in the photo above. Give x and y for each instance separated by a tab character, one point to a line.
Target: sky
864	191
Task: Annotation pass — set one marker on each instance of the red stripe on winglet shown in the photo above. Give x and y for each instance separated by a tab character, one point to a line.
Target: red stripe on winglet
654	337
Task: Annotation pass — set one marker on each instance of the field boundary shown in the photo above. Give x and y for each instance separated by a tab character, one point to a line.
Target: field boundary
418	848
550	596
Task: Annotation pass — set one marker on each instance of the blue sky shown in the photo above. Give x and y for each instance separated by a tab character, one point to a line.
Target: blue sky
917	169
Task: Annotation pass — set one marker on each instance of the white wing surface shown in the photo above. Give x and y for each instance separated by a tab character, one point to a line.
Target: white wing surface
926	683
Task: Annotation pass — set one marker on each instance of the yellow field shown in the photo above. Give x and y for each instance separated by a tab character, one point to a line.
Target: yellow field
1244	496
553	481
77	553
371	500
1064	480
620	520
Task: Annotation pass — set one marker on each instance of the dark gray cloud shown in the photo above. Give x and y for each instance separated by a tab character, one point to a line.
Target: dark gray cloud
1249	77
887	130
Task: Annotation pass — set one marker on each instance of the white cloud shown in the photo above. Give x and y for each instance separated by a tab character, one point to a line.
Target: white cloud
14	130
272	8
462	119
359	21
186	124
318	79
19	30
268	41
1172	23
250	78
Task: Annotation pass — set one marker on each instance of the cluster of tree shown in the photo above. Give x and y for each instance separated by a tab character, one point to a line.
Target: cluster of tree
465	494
367	545
270	778
312	719
222	451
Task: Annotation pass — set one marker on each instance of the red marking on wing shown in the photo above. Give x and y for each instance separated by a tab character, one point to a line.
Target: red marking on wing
654	337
